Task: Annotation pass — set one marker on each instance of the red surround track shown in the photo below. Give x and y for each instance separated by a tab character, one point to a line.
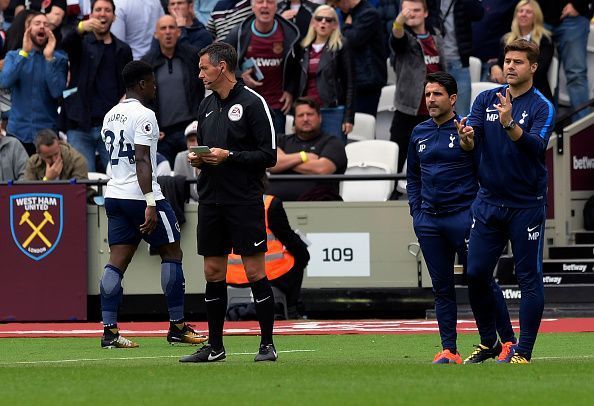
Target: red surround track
297	327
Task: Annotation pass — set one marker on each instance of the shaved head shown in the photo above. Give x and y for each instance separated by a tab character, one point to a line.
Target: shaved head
167	32
165	20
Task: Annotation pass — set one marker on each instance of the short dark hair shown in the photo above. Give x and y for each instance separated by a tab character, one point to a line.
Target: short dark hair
445	79
109	1
134	72
307	101
220	51
521	45
45	137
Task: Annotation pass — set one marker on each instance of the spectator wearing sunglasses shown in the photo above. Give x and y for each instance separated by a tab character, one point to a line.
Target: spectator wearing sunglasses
327	72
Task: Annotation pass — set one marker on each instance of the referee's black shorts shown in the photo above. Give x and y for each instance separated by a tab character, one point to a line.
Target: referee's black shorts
225	227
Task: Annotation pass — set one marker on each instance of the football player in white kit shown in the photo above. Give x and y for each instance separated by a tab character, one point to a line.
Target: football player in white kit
136	208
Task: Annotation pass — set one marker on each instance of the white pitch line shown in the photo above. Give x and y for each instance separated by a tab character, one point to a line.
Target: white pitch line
569	357
59	361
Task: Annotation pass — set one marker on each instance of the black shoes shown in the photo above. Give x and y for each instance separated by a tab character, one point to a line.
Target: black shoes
482	353
267	352
205	354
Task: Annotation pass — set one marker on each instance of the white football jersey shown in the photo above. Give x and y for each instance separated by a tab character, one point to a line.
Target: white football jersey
126	124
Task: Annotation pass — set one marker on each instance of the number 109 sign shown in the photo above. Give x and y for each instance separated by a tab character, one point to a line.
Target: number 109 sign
338	254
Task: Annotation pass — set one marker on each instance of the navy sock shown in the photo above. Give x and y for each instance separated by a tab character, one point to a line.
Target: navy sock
174	287
264	300
111	295
216	308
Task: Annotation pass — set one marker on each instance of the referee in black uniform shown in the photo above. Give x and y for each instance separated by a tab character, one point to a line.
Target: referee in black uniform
236	124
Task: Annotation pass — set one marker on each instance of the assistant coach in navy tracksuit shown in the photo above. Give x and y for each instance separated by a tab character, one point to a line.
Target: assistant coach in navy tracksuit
441	185
512	125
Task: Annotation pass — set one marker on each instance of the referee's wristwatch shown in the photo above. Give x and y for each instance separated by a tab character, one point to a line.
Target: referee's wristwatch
510	126
231	155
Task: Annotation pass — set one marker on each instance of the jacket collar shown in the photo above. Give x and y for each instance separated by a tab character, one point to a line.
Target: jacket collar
234	91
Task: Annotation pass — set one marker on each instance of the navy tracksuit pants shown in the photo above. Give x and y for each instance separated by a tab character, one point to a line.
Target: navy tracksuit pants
492	227
441	237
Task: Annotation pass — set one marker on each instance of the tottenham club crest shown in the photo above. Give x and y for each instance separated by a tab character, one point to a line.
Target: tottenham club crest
36	223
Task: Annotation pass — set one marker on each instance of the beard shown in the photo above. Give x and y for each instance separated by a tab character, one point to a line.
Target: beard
37	42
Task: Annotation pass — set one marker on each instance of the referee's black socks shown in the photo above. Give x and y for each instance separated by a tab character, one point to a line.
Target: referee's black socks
216	308
264	300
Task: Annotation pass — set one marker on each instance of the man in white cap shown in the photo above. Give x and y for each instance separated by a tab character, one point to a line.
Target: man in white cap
181	165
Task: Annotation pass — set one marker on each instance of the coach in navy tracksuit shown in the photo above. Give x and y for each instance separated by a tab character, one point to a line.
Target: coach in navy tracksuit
441	185
512	125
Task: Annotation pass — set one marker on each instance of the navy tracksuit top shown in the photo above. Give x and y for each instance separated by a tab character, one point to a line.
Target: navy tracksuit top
441	176
512	173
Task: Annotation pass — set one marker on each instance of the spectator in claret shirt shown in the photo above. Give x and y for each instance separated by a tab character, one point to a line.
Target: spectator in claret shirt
417	52
272	44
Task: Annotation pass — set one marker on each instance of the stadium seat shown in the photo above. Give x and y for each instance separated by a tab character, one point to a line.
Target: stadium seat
386	101
385	112
369	157
244	296
475	69
383	121
478	87
401	185
391	73
364	128
289	124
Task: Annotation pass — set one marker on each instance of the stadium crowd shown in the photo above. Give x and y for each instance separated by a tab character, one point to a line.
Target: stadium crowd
321	62
63	60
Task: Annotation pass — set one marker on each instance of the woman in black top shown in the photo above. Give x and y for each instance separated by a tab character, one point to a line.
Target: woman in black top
528	24
327	72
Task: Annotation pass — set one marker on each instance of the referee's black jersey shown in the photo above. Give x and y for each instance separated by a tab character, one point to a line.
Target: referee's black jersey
242	124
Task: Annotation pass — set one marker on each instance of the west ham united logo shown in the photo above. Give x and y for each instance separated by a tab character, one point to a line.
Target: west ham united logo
36	223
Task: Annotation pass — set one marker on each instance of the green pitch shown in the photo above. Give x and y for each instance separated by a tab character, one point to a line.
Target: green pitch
311	370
